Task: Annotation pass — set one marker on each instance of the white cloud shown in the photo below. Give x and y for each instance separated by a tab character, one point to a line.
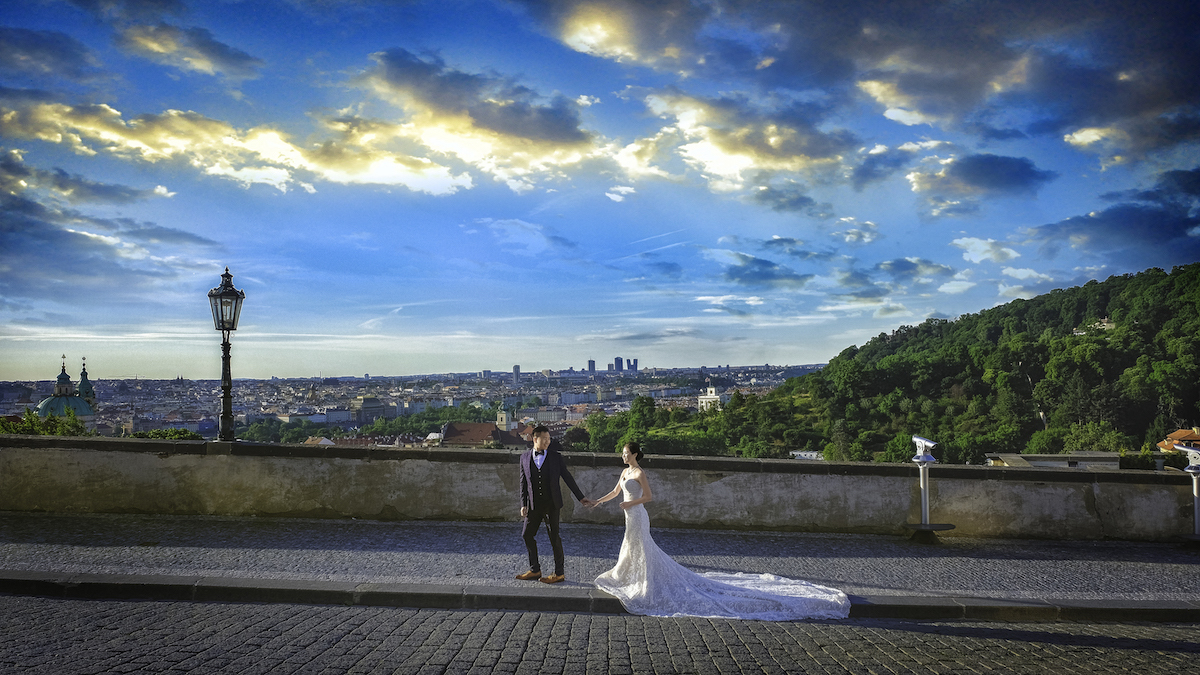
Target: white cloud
957	286
1015	292
1025	274
978	250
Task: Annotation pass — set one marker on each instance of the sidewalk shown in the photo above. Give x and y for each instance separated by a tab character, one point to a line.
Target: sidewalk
472	565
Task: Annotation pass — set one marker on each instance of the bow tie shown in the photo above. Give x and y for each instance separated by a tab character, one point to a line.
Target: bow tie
539	452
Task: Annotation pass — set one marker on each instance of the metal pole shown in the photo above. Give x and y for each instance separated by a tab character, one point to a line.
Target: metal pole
226	431
1196	504
924	493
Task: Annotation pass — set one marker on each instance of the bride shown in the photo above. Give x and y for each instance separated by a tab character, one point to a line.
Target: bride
647	581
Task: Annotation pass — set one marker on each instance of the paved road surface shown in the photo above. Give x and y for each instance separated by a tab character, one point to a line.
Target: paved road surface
66	637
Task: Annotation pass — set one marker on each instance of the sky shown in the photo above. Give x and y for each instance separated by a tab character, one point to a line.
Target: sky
452	186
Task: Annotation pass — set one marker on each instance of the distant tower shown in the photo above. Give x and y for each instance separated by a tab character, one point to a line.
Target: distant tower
502	419
619	364
633	365
85	389
592	366
517	374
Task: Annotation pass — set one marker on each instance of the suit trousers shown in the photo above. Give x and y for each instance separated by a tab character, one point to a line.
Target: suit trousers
549	513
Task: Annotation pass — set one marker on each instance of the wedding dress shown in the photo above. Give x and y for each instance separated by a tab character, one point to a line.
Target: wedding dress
648	582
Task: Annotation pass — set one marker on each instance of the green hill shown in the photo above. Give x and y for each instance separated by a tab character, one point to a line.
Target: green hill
1109	365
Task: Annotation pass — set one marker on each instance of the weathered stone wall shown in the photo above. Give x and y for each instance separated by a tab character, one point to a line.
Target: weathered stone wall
194	477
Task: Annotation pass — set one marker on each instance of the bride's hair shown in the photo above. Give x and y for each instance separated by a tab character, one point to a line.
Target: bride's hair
636	449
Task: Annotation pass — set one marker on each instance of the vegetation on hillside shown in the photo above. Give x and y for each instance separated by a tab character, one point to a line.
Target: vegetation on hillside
1109	365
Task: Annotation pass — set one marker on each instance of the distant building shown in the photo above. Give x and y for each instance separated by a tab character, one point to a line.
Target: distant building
711	399
633	365
592	366
66	398
479	435
517	374
619	364
367	409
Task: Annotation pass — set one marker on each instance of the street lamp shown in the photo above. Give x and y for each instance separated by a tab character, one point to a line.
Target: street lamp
226	304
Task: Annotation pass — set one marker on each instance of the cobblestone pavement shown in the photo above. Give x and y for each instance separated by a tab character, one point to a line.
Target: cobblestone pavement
65	637
489	554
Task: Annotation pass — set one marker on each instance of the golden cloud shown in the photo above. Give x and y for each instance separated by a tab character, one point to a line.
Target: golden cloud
728	139
260	155
496	126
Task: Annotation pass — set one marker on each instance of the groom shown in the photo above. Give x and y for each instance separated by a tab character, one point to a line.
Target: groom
541	499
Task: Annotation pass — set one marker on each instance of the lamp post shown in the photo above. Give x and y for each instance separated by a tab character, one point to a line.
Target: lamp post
226	304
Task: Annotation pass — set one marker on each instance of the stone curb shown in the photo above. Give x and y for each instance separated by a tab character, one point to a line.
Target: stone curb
541	598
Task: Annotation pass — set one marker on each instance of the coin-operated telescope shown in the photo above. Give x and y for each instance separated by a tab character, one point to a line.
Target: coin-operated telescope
1193	468
925	531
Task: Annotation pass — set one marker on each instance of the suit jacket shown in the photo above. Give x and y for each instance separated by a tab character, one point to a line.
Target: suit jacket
555	468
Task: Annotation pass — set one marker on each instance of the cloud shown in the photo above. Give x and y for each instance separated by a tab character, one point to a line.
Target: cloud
1155	227
1025	274
980	68
914	269
748	270
731	138
261	155
789	198
669	270
878	163
16	177
61	255
792	247
131	10
977	250
859	234
1135	235
491	122
953	184
726	304
956	286
188	49
619	192
44	53
522	238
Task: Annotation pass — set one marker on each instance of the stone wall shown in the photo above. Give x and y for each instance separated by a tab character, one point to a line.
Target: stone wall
241	479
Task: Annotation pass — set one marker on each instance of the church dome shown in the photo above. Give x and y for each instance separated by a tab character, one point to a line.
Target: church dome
65	398
59	405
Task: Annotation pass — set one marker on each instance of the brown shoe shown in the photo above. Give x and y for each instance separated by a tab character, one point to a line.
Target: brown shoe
553	579
529	576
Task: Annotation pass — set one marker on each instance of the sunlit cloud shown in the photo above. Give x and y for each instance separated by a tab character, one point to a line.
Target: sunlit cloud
256	156
726	139
496	125
188	49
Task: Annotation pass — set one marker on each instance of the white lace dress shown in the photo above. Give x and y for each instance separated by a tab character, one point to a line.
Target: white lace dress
648	582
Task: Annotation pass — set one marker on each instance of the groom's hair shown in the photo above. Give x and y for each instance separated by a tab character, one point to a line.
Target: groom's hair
539	429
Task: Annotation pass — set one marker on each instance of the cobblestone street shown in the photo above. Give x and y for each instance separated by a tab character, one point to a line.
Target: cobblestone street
55	636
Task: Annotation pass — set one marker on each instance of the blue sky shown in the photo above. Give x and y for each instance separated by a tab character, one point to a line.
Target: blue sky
417	187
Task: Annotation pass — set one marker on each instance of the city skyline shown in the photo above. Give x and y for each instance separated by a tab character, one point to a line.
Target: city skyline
426	187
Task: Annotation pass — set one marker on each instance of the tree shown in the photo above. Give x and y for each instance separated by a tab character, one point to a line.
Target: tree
33	425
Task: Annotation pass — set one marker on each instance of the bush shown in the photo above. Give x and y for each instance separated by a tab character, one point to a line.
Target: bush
169	434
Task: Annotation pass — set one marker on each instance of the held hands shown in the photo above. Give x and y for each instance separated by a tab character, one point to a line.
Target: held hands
524	511
587	502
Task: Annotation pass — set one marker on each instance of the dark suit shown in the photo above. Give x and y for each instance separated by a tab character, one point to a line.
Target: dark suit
542	495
